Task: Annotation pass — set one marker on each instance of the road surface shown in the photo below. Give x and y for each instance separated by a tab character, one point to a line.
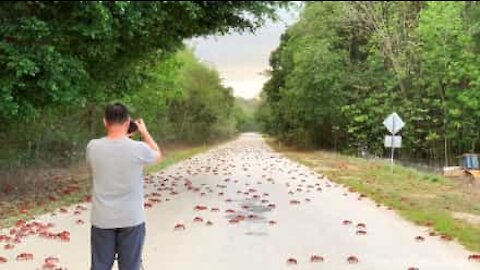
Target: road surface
242	206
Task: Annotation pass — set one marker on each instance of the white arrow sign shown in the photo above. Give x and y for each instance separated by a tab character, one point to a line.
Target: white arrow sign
393	123
393	141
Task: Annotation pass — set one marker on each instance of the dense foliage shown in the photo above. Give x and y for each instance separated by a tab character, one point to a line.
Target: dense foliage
61	62
245	111
344	66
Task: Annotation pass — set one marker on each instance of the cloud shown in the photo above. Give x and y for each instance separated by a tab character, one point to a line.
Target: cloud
241	58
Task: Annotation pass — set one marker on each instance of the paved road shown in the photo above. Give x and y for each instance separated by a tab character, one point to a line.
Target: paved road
256	210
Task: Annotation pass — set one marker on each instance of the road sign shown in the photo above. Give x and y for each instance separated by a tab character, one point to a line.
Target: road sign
393	141
393	123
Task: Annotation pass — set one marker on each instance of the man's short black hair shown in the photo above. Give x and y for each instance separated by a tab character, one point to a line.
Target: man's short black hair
116	113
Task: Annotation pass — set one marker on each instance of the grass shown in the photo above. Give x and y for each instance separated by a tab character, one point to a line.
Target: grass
426	199
172	155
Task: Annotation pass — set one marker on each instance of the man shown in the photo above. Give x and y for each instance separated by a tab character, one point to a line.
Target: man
118	218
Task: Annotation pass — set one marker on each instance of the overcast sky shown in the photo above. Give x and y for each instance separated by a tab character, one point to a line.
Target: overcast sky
241	58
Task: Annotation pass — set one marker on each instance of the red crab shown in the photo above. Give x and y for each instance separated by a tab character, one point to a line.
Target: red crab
429	223
198	219
215	209
155	200
347	222
7	188
51	259
230	211
50	263
8	246
200	208
474	258
179	227
79	222
446	237
64	236
4	238
240	217
20	223
316	258
272	222
209	223
25	257
352	260
361	226
3	260
292	261
147	205
419	239
294	202
233	221
361	232
412	268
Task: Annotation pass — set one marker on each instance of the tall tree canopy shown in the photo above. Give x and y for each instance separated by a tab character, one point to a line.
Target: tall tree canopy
344	66
73	52
61	62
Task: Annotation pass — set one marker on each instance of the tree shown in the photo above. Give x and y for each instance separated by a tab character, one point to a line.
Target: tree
55	53
343	67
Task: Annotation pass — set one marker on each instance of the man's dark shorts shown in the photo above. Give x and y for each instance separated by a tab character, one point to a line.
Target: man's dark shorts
126	243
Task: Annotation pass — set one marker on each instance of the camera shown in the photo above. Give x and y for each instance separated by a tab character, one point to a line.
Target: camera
132	128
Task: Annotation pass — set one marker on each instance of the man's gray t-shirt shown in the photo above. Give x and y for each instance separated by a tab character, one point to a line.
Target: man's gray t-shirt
117	171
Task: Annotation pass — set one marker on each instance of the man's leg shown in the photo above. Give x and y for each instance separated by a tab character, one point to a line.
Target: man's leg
103	248
129	246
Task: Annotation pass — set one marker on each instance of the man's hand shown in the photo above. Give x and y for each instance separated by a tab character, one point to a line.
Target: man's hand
142	128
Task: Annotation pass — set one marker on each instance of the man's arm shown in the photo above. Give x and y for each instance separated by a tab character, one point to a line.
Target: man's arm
147	138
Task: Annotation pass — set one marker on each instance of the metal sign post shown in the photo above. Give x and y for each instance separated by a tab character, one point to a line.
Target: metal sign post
393	148
394	124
